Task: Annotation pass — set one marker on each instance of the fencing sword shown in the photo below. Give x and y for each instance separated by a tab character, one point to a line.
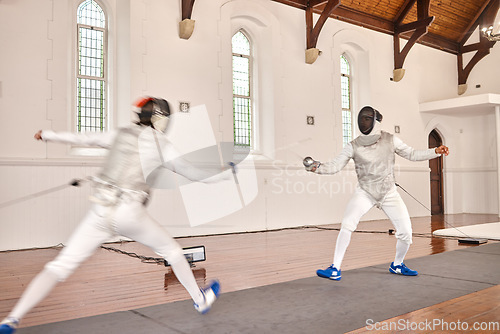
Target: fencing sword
468	239
73	183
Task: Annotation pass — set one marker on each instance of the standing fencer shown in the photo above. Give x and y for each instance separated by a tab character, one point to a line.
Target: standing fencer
119	206
373	154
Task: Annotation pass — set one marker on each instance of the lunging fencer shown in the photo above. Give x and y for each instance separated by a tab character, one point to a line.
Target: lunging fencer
373	155
120	193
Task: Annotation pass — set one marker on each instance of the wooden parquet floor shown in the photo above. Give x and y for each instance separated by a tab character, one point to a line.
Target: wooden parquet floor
110	282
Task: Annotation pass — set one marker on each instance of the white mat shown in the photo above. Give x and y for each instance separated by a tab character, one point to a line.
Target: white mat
486	231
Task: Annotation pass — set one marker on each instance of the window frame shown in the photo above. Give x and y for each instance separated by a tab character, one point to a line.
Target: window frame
252	123
346	139
104	101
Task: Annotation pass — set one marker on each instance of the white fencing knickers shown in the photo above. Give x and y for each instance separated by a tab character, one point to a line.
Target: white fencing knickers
392	205
360	204
129	218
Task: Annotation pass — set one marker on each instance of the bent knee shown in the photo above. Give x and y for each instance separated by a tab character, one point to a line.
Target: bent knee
60	270
405	237
349	224
172	254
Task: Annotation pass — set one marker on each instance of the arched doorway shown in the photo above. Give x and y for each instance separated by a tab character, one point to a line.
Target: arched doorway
436	166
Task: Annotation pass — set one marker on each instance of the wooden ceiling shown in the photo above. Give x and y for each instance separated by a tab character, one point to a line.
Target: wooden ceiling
454	20
442	24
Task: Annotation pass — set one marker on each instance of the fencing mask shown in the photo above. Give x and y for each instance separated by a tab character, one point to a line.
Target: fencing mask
154	112
369	124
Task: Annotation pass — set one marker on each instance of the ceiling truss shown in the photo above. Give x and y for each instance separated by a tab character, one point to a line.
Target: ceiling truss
417	29
411	21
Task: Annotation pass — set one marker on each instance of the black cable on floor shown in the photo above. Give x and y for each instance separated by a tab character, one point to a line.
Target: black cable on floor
144	259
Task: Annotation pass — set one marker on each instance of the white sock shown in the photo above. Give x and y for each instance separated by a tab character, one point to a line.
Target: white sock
401	250
343	240
36	291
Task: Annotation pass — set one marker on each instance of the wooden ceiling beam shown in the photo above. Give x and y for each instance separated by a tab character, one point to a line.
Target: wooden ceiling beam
463	72
314	3
312	32
476	46
302	4
423	9
474	23
187	8
403	11
186	26
414	25
362	19
438	42
346	14
419	28
482	48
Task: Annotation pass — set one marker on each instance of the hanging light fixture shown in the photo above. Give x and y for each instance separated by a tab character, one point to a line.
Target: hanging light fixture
492	33
488	33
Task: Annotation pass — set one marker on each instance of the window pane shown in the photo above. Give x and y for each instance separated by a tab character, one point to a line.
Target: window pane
344	65
241	77
91	93
345	90
240	43
90	13
91	52
346	126
91	105
346	100
242	121
242	111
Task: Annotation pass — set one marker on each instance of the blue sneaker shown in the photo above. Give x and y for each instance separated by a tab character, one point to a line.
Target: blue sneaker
331	273
8	326
211	293
402	270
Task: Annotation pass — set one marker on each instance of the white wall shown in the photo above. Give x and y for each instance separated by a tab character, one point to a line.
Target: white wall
147	57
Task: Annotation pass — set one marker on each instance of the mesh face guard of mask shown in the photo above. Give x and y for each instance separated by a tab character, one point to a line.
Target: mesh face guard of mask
367	118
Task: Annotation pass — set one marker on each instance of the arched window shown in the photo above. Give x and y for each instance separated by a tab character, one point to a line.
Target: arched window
345	89
91	68
242	93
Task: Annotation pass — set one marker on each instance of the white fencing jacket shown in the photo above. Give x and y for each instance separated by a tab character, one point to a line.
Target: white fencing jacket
135	152
374	163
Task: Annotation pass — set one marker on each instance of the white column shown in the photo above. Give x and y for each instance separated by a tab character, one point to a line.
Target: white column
497	120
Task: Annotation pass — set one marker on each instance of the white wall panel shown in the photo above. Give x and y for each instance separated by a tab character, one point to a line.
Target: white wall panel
146	56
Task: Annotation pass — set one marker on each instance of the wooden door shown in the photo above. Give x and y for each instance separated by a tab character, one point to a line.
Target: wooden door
436	166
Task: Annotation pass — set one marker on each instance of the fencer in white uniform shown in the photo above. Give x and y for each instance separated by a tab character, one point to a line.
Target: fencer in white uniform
373	155
120	192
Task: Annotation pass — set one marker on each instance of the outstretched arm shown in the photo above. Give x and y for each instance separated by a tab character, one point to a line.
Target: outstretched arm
410	153
207	173
189	171
95	139
335	165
